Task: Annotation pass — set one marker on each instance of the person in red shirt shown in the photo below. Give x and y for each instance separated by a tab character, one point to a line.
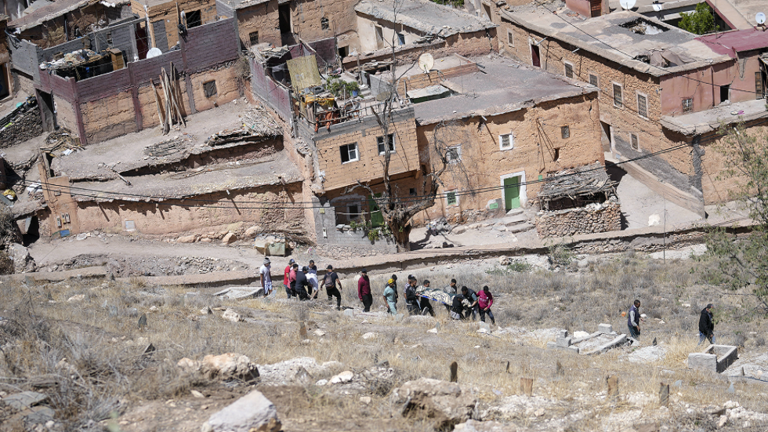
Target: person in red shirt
287	278
364	290
485	301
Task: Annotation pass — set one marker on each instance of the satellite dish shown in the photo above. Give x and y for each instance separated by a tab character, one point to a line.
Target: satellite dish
154	52
627	4
760	18
426	61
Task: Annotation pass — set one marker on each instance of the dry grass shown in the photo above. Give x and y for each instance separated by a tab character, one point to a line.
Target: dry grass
101	341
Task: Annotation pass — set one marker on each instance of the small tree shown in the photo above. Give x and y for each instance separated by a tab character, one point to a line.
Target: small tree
700	22
743	262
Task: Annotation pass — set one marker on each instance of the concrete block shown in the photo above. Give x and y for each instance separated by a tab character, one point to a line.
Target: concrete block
562	334
563	342
702	361
716	358
605	328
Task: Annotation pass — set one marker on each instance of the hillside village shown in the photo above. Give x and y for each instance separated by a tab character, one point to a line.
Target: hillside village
153	153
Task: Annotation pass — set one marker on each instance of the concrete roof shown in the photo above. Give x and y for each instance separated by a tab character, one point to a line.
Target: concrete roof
159	187
425	16
710	120
243	4
604	36
746	8
645	6
54	10
501	86
731	42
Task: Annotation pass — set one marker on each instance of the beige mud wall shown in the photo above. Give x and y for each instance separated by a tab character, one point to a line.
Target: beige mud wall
167	12
109	117
227	87
307	15
65	114
262	18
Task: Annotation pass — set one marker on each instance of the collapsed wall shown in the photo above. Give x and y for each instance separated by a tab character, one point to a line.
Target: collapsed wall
594	218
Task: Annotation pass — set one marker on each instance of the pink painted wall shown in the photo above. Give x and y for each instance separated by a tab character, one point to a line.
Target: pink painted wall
582	7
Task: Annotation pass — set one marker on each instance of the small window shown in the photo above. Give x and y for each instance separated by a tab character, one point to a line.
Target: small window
568	70
353	211
510	38
451	198
642	106
556	155
618	101
324	23
453	154
194	19
254	38
506	141
401	39
109	38
593	80
634	142
565	132
687	105
349	153
412	191
380	143
209	88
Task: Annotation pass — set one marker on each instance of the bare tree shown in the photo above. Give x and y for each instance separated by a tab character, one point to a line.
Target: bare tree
398	211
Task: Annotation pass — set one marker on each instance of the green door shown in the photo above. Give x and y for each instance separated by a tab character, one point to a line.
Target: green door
511	193
377	219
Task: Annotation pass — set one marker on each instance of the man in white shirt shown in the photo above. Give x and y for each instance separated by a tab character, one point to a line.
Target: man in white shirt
266	277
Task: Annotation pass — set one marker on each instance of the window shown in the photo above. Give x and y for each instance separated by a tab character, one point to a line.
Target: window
353	211
109	38
401	39
209	88
593	80
642	105
634	142
618	101
451	198
453	154
568	70
348	153
379	36
391	142
194	19
254	38
412	191
324	23
687	105
510	38
506	141
565	132
556	155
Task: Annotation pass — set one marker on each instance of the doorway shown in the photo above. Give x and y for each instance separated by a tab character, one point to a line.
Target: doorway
725	93
5	89
284	19
605	137
47	112
514	190
596	7
535	57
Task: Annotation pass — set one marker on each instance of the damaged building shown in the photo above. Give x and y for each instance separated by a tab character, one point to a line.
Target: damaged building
657	83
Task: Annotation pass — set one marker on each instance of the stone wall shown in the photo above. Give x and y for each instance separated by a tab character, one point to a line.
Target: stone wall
24	123
593	218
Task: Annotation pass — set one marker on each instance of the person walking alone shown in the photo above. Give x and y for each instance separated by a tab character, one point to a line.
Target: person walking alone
633	320
484	302
411	298
266	277
390	296
330	281
287	278
364	290
706	325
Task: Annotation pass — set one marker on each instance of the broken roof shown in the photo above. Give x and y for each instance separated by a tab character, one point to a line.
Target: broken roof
623	37
425	16
732	42
273	170
710	120
575	182
501	86
55	10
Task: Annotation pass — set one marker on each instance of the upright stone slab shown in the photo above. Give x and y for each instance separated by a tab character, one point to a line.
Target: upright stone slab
605	328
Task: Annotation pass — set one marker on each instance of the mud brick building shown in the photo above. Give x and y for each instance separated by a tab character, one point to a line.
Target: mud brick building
166	16
508	127
6	83
651	76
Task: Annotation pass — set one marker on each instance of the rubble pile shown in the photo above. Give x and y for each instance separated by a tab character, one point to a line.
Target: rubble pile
593	218
21	124
257	125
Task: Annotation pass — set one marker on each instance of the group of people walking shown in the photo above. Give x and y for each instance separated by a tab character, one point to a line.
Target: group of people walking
303	283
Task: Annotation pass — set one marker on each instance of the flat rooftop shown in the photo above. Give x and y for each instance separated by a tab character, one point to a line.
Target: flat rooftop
242	4
53	10
500	86
425	16
730	42
623	37
710	120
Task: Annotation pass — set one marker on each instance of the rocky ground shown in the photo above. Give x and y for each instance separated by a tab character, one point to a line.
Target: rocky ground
95	355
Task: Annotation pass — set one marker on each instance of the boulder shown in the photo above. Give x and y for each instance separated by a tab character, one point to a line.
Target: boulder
229	365
486	426
343	377
23	400
251	413
231	315
252	232
441	402
22	260
188	365
229	238
300	370
187	239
